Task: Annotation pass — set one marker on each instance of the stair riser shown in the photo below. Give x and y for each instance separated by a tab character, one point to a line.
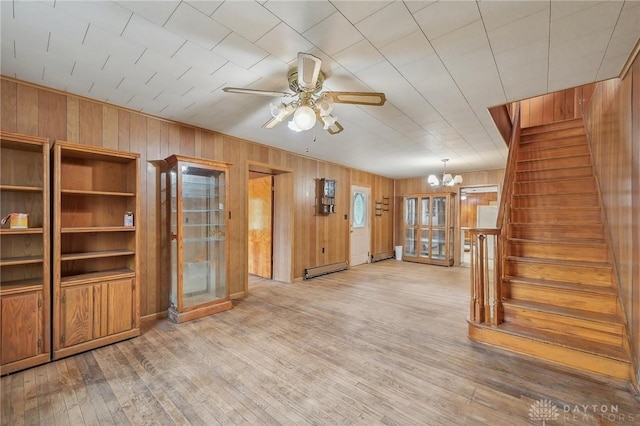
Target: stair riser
552	200
552	134
594	331
554	233
556	216
561	151
559	251
561	355
590	275
570	186
554	163
602	303
555	174
557	125
552	143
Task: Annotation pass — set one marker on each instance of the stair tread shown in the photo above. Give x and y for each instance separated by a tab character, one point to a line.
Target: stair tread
595	243
537	194
557	125
564	225
529	147
563	311
572	342
564	208
554	168
528	160
563	285
564	179
561	262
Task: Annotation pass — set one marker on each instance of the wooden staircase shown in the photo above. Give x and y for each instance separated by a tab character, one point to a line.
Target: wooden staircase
560	292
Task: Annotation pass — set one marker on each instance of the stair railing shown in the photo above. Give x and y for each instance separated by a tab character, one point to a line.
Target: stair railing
488	245
486	275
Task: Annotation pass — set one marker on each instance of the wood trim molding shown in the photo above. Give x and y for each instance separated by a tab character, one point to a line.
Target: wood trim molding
630	60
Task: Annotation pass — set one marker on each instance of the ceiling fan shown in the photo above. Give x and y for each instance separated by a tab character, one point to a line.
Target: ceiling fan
309	104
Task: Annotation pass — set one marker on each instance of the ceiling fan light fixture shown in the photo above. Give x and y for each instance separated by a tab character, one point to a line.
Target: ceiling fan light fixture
304	118
292	126
328	120
278	110
325	106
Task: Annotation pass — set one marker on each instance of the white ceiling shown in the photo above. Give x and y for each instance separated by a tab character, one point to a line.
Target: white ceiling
440	64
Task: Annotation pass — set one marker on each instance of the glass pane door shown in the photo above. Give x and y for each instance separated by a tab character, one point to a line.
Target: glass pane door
203	235
410	225
173	217
439	211
425	221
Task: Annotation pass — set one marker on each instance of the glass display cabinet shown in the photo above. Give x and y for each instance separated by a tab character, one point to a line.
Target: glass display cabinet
198	211
428	222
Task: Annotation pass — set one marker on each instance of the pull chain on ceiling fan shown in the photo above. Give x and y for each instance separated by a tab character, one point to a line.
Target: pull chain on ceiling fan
306	81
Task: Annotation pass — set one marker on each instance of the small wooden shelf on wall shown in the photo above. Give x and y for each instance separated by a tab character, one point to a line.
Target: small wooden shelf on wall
326	194
95	253
25	322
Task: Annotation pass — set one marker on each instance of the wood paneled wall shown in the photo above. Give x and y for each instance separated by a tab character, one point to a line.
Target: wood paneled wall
35	110
613	126
562	105
419	185
469	207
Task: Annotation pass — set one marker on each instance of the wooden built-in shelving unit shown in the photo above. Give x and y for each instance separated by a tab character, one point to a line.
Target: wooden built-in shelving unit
24	253
95	268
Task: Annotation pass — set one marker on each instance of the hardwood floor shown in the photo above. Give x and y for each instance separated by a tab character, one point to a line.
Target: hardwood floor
384	343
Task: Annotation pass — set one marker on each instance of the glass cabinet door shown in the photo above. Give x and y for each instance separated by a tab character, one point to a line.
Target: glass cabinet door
428	226
198	246
410	226
425	223
438	230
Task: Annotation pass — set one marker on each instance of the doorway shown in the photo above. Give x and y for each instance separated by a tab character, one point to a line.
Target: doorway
478	209
269	224
260	231
360	242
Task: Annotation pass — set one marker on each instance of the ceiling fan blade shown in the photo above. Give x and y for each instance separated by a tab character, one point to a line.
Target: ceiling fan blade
357	98
308	71
273	122
257	92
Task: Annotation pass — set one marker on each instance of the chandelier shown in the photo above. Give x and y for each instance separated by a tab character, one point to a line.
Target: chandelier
447	179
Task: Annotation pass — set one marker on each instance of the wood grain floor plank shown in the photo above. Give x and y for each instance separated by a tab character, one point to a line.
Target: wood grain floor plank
58	407
379	344
68	392
43	395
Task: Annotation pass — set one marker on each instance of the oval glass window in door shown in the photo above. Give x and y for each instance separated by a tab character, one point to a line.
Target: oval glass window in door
359	210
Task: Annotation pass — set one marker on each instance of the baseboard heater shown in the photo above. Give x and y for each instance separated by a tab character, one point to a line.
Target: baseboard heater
325	269
382	256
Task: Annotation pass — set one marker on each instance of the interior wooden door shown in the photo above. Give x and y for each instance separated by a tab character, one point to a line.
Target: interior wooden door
360	244
261	226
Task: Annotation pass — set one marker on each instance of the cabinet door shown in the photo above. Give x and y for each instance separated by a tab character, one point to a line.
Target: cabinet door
410	226
120	305
21	326
77	314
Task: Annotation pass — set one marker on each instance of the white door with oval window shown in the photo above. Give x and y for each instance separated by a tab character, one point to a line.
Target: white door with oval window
360	225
